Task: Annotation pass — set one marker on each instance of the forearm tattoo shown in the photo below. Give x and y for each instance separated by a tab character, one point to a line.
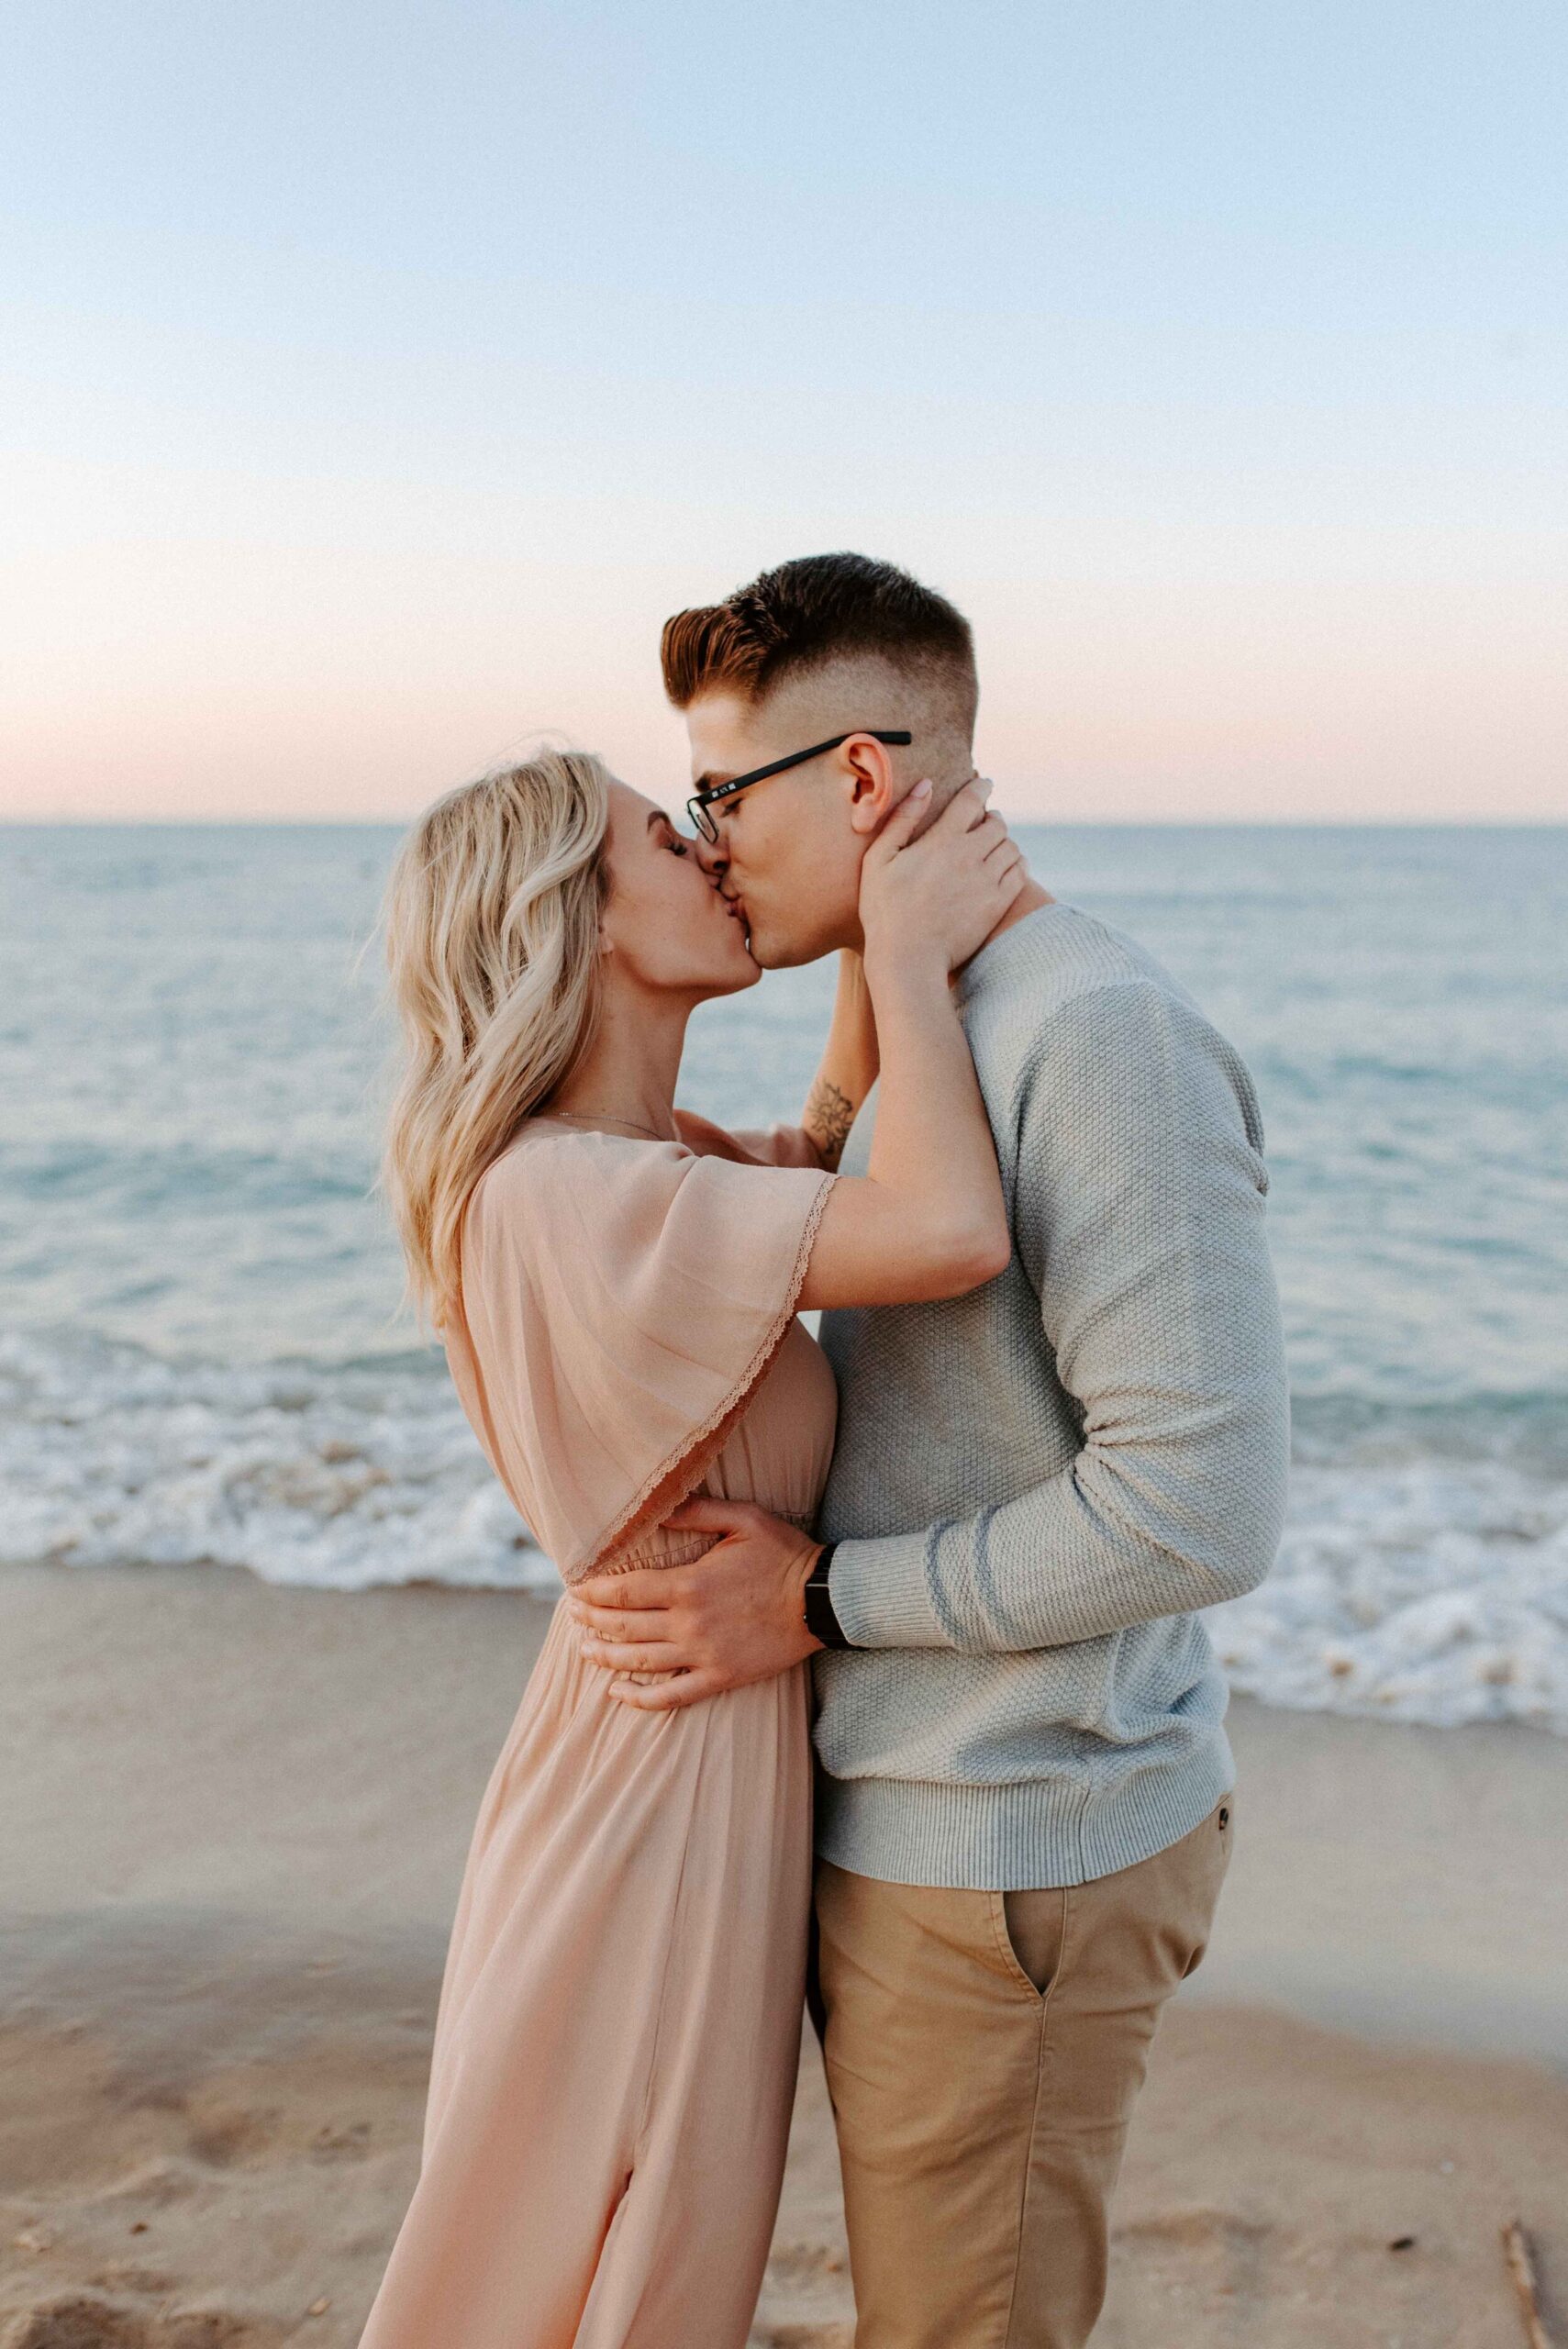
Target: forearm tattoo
829	1114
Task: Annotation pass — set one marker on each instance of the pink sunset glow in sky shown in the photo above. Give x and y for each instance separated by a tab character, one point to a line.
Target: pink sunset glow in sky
380	379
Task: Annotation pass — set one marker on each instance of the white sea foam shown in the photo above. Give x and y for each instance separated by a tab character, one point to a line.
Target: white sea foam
1420	1579
340	1477
1423	1589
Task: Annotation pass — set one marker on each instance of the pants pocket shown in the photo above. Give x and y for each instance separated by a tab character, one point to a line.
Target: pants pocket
1032	1928
1215	1840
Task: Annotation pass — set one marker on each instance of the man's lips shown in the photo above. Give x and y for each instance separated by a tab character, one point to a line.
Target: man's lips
736	909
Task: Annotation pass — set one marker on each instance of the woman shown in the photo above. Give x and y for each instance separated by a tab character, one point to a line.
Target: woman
617	1285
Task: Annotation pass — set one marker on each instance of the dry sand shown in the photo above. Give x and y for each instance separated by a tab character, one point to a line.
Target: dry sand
235	1818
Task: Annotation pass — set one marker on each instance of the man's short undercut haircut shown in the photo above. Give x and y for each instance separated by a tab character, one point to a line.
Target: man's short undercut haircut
809	614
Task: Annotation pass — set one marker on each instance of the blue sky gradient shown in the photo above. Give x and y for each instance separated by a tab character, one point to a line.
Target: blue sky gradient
380	376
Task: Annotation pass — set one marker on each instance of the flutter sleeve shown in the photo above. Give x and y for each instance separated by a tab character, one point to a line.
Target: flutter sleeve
621	1300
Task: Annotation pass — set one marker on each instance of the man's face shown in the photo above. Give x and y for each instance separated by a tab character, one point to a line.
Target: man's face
789	849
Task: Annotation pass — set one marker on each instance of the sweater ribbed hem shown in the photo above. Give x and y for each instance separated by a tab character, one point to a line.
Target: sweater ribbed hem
1042	1832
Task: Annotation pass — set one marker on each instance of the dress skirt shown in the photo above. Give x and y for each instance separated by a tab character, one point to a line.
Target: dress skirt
619	2030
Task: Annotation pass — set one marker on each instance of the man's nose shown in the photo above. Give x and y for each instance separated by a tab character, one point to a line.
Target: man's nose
712	857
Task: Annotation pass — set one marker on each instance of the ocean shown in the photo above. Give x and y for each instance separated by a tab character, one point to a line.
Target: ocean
202	1355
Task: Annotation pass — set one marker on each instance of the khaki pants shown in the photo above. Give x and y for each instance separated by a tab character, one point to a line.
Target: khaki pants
983	2051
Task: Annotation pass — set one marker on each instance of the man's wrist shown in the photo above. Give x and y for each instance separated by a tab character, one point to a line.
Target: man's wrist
821	1617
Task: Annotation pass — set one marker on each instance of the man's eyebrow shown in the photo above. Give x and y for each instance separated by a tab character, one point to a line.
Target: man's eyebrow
710	782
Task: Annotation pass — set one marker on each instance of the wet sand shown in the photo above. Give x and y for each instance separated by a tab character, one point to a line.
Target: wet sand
235	1822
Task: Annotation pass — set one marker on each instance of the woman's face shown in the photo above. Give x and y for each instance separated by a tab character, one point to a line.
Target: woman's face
668	927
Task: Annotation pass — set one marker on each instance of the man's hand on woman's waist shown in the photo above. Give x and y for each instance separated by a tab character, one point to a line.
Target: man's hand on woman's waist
734	1615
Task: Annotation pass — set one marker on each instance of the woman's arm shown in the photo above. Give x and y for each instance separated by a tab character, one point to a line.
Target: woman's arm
851	1057
847	1068
845	1073
927	1218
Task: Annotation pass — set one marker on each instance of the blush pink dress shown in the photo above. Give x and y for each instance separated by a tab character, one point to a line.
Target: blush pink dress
619	2019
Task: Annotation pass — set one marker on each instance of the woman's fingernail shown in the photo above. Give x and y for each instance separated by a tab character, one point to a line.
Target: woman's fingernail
922	789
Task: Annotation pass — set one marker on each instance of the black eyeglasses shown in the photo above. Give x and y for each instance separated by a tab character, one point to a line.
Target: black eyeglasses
698	809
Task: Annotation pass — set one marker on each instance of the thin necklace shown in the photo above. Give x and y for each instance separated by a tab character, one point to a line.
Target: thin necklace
613	1118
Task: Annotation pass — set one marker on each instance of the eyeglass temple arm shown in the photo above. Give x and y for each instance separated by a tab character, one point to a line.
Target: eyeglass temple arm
796	759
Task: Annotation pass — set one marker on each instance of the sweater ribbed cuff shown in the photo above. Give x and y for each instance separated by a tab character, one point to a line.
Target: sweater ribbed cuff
882	1594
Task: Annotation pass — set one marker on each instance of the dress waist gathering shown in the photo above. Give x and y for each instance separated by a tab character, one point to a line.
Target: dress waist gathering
676	1549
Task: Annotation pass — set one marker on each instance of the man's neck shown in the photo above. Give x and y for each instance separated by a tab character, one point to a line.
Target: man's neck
1030	897
1029	900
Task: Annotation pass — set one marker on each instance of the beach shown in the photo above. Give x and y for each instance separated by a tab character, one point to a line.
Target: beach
237	1819
266	1614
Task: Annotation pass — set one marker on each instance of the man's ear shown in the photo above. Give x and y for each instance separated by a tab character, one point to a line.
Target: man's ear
869	781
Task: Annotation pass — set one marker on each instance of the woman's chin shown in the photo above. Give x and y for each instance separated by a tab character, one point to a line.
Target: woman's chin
741	972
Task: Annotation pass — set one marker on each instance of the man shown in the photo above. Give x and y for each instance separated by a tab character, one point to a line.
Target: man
1025	1798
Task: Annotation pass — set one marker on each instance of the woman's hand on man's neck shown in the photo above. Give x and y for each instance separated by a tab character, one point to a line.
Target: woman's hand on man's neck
1032	896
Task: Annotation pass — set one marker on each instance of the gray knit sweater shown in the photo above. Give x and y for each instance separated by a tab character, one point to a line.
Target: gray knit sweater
1037	1486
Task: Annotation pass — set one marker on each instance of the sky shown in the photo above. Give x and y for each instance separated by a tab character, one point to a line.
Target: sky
378	377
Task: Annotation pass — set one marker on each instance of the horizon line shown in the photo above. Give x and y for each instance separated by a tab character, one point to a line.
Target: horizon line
1048	823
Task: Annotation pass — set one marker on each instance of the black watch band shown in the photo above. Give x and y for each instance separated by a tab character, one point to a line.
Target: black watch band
821	1619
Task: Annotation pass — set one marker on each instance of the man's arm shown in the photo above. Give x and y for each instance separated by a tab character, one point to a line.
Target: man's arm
1138	1218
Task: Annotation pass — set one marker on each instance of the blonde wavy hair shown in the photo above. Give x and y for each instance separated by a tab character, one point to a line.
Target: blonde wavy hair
492	925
